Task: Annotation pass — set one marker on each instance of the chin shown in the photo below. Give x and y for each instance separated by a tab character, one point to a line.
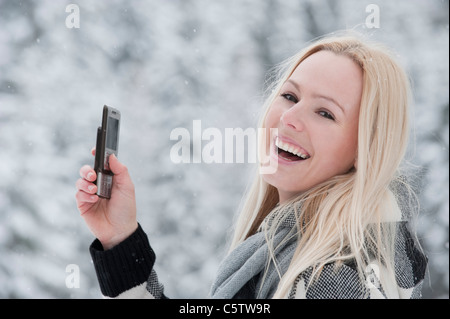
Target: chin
283	187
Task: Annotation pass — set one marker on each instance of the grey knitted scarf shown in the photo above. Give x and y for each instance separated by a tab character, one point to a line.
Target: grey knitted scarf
248	272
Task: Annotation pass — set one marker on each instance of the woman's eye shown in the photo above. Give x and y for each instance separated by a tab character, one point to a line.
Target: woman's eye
290	97
326	114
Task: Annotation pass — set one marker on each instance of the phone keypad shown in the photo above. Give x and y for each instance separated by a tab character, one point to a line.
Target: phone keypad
104	185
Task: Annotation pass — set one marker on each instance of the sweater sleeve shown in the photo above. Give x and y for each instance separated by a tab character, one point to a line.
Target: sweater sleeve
126	270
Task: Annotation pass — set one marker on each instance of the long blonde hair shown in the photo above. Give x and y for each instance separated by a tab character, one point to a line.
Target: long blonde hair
344	218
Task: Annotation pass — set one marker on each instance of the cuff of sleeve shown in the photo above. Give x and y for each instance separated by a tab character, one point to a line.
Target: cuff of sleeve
124	266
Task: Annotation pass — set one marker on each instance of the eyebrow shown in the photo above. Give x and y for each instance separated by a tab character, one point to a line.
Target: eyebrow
320	96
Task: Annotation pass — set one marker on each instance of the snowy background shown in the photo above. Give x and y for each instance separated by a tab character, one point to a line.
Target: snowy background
165	64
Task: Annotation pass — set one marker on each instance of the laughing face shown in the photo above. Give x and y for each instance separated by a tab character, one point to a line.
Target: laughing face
316	116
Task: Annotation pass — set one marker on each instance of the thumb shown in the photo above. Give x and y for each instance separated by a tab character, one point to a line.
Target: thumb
121	176
117	167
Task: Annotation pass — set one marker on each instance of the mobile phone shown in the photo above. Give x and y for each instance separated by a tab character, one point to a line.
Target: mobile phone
106	145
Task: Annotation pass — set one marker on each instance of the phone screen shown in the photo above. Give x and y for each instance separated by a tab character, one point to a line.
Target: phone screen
111	134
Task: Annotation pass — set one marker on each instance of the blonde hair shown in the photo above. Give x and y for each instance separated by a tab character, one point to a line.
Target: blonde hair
344	218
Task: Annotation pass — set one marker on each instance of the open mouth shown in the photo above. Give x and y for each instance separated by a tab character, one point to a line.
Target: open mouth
290	152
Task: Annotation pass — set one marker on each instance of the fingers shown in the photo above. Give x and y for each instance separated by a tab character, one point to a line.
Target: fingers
117	168
86	189
88	173
85	186
83	197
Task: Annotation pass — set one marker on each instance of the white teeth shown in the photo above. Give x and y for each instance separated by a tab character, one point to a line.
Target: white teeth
289	148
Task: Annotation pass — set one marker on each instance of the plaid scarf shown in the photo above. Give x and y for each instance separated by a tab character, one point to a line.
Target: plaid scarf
248	272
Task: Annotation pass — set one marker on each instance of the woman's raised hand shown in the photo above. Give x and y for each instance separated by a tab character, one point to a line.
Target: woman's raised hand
110	220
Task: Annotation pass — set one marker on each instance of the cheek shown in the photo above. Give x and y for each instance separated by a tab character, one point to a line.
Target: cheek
341	157
273	116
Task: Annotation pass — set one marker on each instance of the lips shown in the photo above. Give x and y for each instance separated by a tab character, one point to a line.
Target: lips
290	151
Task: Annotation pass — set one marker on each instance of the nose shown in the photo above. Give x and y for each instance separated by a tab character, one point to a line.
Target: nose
293	118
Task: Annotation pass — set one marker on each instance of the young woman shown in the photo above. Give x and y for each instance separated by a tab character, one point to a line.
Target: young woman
331	221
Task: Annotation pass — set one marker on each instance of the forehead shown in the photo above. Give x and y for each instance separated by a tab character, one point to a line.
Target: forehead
325	72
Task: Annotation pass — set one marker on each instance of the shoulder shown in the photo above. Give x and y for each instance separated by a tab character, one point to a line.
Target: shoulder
410	261
344	282
333	283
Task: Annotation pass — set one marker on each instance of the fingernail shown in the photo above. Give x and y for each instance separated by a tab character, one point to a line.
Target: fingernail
90	176
91	188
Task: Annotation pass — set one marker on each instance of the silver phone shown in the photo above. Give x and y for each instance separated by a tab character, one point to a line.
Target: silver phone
106	145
